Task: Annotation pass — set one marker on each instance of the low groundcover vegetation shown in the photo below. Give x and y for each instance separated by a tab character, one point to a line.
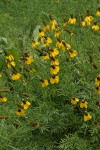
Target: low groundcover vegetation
50	87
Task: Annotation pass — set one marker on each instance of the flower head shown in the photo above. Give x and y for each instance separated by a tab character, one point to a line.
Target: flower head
72	53
9	57
97	80
54	69
10	60
41	33
68	46
3	99
53	52
72	20
45	57
46	27
25	104
74	100
35	43
98	90
54	61
83	23
98	12
59	43
29	60
87	117
16	76
54	79
53	23
95	26
0	75
44	83
88	19
57	32
83	104
20	112
46	41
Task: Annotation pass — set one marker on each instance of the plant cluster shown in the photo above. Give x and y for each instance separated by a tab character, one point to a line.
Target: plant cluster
50	89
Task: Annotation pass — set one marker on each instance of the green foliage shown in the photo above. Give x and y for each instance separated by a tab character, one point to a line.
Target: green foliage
73	142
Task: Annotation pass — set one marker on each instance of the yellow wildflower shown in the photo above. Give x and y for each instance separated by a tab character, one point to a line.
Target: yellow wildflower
41	33
63	45
98	90
83	23
59	43
53	52
35	43
98	12
72	20
20	112
25	104
63	48
68	46
44	83
88	20
29	60
74	100
12	63
97	80
57	32
87	117
84	104
54	69
3	99
53	22
54	79
9	58
95	26
8	65
72	53
0	75
45	57
46	27
46	41
16	76
54	61
53	27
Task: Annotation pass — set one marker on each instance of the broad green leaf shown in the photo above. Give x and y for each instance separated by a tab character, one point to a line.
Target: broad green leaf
35	32
3	41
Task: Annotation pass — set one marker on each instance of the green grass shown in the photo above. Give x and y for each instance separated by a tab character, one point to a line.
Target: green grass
21	16
61	124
